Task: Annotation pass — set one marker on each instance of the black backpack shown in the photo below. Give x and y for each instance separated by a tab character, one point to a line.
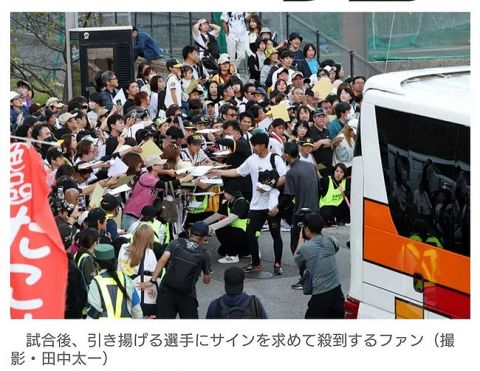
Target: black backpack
184	268
247	310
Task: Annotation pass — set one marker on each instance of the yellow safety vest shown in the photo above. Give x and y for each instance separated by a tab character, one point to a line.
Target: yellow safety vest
333	197
200	208
238	223
107	286
155	225
431	240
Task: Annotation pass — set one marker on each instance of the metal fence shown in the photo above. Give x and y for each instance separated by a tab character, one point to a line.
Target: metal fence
172	31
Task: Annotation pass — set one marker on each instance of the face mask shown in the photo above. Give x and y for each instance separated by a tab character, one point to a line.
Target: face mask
91	105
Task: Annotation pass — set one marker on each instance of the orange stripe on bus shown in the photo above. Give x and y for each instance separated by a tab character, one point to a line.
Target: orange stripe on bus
382	245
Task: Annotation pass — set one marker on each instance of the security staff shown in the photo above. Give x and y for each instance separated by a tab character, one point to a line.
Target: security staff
231	230
334	204
111	294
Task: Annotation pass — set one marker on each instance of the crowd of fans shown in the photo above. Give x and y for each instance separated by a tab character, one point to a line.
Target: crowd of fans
204	112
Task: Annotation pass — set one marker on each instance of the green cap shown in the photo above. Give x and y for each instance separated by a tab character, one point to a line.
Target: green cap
104	251
257	131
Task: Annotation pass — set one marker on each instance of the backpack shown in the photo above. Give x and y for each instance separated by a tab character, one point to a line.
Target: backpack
247	310
212	48
269	177
183	268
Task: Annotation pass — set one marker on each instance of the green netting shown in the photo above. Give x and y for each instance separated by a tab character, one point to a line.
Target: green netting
418	35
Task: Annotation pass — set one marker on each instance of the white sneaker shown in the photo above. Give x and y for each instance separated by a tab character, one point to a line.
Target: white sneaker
228	259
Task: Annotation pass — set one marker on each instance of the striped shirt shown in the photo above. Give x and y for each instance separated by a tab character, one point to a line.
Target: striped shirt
144	193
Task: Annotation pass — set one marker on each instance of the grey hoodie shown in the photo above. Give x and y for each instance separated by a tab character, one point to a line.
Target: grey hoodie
325	277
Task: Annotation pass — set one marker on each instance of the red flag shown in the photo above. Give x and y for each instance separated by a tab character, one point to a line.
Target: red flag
38	262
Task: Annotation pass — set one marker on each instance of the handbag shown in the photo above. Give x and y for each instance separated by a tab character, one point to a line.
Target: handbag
213	200
168	206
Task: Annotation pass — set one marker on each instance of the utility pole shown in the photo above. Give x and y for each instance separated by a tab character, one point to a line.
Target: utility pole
71	22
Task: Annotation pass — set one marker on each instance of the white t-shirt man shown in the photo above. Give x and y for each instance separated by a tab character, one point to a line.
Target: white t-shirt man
254	165
173	82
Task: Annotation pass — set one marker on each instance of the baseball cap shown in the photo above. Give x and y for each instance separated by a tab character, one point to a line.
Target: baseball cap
269	52
224	58
55	102
152	160
260	90
103	252
64	117
195	139
109	202
291	149
233	278
199	228
319	111
307	142
295	35
297	73
67	233
265	30
14	95
173	63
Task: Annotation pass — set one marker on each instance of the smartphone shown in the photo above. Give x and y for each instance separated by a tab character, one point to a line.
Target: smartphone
82	205
133	115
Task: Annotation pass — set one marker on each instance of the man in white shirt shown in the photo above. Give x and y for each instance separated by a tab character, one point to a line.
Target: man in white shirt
235	27
286	58
264	198
173	84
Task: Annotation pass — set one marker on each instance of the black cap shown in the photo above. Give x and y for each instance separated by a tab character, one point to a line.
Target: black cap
199	228
173	63
67	234
194	139
149	212
294	35
109	202
291	149
233	278
232	187
319	111
307	142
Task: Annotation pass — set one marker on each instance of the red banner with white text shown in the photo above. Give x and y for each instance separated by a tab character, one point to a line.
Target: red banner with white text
38	262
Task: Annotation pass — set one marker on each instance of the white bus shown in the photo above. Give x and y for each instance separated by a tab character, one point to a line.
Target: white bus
410	197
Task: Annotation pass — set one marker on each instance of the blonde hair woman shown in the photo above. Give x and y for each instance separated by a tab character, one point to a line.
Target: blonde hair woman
130	256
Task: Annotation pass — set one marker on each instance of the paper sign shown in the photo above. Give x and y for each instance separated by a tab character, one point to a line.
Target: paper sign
200	170
117	168
122	188
120	96
207	131
123	180
280	111
191	86
221	153
86	165
322	88
218	181
150	148
96	196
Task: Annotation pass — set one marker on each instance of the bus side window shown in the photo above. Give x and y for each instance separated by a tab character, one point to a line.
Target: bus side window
427	177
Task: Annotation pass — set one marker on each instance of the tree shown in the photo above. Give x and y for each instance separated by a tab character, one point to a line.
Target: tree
38	50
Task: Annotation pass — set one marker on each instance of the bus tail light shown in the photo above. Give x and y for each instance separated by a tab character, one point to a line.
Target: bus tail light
351	308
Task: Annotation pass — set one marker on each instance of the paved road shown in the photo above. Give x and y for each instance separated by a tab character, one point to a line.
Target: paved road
280	301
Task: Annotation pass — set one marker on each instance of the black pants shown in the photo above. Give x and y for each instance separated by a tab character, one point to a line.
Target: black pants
341	213
169	304
256	220
295	231
233	241
329	304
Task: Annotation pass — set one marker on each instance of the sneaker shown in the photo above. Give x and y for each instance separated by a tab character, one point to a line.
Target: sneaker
265	228
252	268
285	227
228	259
347	224
278	270
297	286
